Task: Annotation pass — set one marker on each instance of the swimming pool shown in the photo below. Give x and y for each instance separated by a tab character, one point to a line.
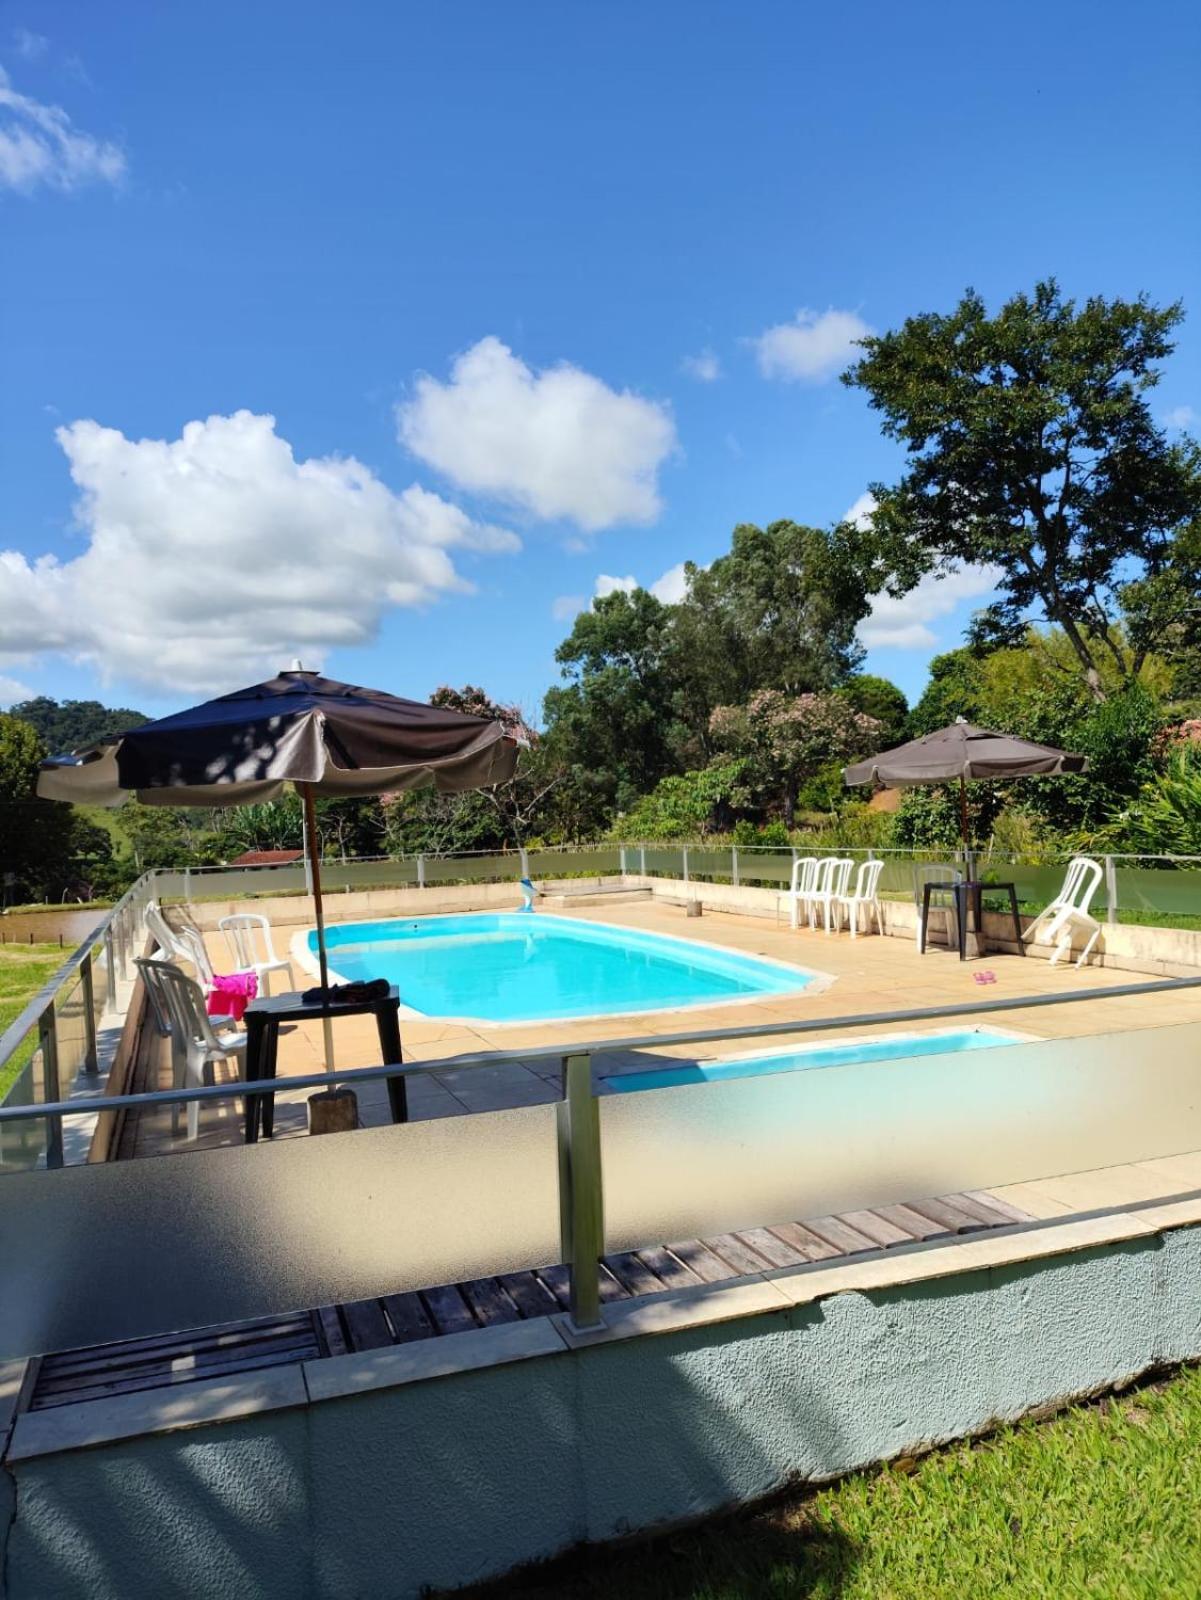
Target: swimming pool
842	1053
517	967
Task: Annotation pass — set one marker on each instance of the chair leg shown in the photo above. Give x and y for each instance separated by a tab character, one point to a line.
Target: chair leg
793	914
195	1079
854	919
1087	951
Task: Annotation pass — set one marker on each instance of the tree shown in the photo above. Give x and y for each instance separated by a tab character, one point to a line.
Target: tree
72	724
881	699
685	805
1031	448
783	739
35	835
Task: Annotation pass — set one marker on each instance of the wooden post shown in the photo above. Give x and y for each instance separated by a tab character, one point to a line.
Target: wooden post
314	858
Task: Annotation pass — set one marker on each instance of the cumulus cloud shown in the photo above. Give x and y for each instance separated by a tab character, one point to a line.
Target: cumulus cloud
814	346
904	623
566	606
1181	417
40	145
217	556
13	691
670	588
860	511
704	367
557	443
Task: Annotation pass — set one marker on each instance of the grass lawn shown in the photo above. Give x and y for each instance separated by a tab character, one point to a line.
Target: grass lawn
24	968
1101	1501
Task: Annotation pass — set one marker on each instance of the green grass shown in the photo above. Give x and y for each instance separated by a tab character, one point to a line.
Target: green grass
24	968
1101	1502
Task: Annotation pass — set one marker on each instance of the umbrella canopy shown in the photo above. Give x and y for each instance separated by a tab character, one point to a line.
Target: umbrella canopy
965	753
325	737
297	728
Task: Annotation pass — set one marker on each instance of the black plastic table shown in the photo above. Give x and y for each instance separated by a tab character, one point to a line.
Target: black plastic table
967	894
265	1017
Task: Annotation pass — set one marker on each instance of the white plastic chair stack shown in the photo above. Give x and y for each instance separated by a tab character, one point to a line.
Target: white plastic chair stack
194	1043
864	899
833	876
1058	922
251	949
804	881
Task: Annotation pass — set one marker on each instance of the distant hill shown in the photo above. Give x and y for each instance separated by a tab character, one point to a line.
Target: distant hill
70	724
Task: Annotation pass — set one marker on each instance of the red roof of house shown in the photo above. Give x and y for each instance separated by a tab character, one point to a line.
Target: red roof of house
266	858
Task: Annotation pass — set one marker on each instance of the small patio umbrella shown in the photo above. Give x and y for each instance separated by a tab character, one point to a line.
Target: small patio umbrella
965	753
325	737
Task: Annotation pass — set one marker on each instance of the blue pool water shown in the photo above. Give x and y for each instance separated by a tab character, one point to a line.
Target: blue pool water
896	1048
510	967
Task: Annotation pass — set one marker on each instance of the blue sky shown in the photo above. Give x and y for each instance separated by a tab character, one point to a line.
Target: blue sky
537	294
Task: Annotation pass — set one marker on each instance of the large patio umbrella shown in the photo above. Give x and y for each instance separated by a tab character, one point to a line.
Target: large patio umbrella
325	737
965	753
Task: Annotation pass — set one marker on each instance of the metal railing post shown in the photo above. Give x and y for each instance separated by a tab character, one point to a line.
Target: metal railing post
51	1094
421	872
734	865
1111	890
622	861
110	970
87	988
581	1198
684	858
525	861
642	859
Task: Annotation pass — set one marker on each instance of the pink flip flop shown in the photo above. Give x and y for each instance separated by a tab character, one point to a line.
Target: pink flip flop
985	976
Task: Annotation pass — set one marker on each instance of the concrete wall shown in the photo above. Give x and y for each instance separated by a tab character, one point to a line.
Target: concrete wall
389	1485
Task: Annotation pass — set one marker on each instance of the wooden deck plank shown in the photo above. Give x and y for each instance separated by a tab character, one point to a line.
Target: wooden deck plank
333	1335
845	1239
912	1221
408	1317
366	1325
878	1229
773	1248
737	1253
1002	1208
633	1275
708	1267
810	1246
949	1214
668	1267
528	1293
557	1280
237	1330
491	1305
46	1399
449	1310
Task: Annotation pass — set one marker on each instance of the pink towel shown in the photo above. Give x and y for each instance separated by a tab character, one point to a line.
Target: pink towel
231	994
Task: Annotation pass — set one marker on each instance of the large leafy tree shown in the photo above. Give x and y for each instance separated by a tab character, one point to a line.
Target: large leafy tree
783	739
1031	447
71	724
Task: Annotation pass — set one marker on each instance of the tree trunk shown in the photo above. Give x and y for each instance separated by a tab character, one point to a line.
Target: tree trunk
1085	657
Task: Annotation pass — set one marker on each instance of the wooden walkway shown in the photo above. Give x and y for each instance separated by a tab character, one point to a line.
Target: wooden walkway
217	1352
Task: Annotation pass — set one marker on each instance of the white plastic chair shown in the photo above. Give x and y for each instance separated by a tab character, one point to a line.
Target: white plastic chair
181	944
804	881
194	1043
864	899
833	875
935	873
1069	911
248	940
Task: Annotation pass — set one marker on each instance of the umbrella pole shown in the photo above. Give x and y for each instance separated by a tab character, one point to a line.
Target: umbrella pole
313	855
963	822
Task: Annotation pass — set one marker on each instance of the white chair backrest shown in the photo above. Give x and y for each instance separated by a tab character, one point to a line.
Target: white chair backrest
821	874
161	930
192	948
804	874
1080	883
841	868
248	940
932	872
185	1003
866	880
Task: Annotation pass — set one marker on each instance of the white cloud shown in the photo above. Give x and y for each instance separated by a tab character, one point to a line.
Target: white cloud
860	512
670	588
1181	417
29	45
557	443
566	606
704	367
12	691
904	623
39	144
811	348
216	557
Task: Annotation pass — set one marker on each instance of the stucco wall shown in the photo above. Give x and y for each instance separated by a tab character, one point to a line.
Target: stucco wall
448	1480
